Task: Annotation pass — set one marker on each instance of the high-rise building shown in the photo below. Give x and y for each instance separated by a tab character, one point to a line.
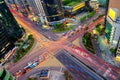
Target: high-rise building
112	22
5	43
5	75
118	48
114	4
118	52
47	10
9	29
53	10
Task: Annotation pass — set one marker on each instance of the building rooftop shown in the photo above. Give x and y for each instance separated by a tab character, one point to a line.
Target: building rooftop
114	4
71	2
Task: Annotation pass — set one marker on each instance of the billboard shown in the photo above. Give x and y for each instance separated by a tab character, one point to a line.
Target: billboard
117	58
112	14
78	6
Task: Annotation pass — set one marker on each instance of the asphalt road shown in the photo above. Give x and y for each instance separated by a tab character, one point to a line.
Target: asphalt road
77	69
97	64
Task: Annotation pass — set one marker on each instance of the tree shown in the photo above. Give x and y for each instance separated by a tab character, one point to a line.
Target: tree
112	50
59	26
83	18
67	75
90	14
98	28
30	36
66	2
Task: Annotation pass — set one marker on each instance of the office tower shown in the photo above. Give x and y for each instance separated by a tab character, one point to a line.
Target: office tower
47	10
112	22
102	2
9	30
5	75
5	44
53	10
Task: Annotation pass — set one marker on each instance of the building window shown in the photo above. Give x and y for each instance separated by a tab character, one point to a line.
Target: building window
5	10
0	15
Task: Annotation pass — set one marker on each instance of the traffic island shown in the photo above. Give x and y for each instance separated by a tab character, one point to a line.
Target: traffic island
85	17
87	41
24	47
61	27
76	42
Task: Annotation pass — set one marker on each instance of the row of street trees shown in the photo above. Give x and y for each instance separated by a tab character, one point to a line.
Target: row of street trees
87	41
23	51
90	14
70	2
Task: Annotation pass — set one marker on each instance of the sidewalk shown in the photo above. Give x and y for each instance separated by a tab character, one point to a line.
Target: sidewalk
88	20
96	48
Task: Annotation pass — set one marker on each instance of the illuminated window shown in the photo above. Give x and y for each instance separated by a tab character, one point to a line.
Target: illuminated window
0	15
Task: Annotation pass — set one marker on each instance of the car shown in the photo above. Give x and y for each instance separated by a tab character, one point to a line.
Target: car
31	66
27	69
35	63
29	63
23	71
70	35
64	34
18	73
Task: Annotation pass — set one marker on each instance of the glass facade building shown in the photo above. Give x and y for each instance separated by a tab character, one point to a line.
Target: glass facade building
53	10
108	30
9	29
5	43
112	22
